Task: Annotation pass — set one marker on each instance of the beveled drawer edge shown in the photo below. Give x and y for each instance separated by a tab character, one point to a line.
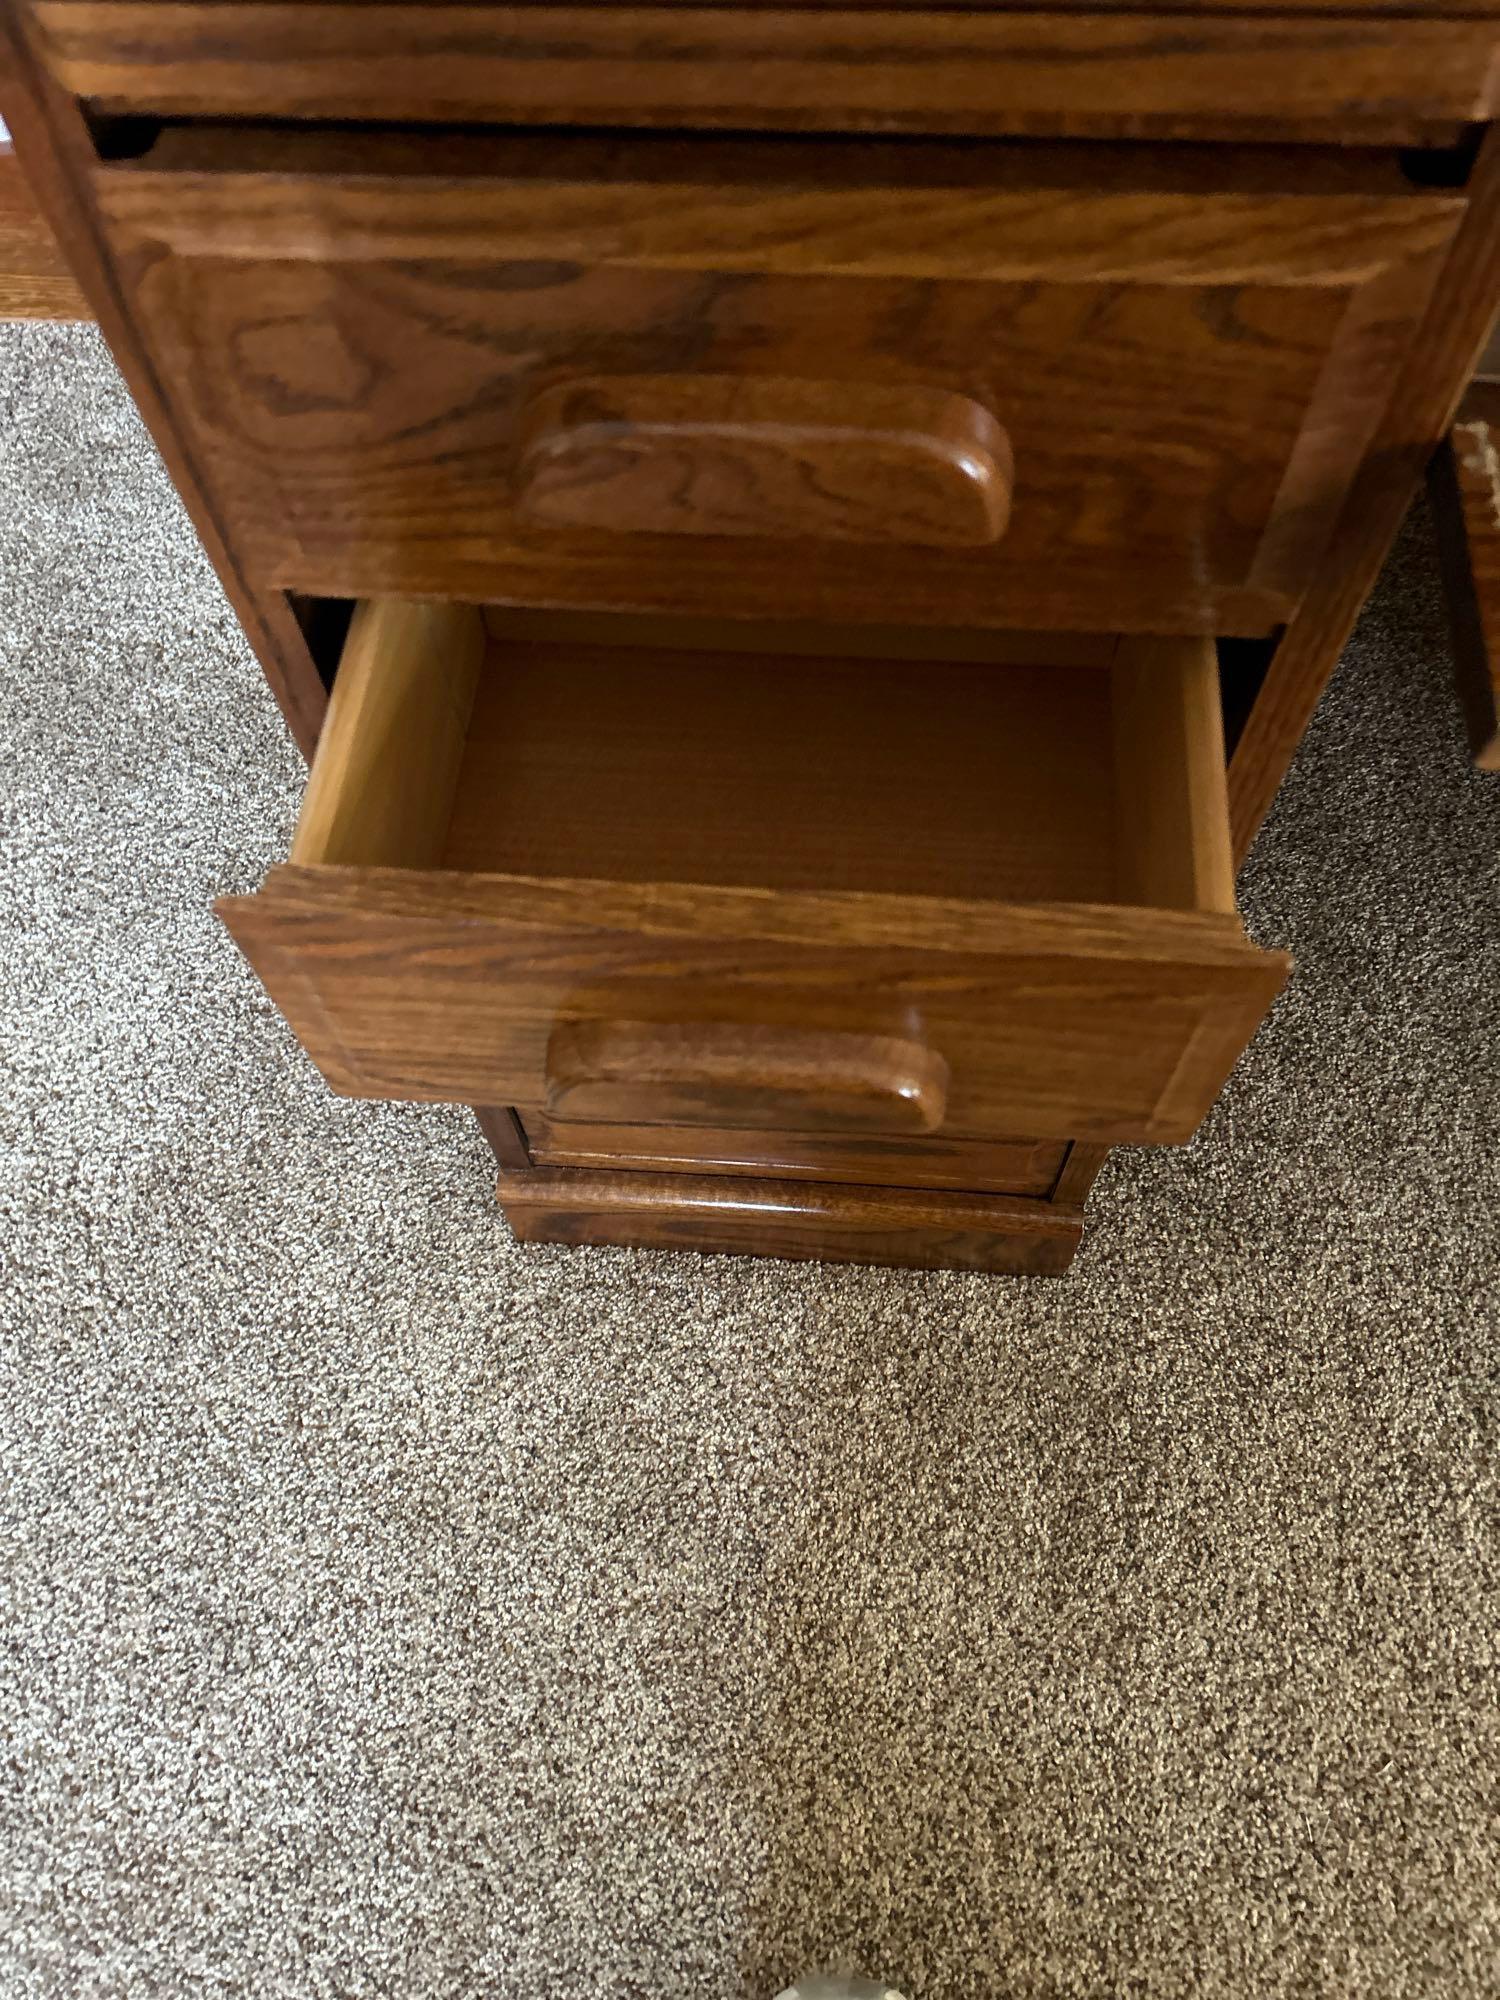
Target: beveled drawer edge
793	1219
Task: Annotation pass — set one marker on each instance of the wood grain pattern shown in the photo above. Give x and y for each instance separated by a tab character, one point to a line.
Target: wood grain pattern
790	772
49	131
1101	1024
1188	358
1172	800
1207	73
996	780
35	282
576	894
790	207
915	1160
506	1136
1465	482
1211	74
1079	1172
729	1073
1418	416
726	455
775	638
384	21
383	784
797	1219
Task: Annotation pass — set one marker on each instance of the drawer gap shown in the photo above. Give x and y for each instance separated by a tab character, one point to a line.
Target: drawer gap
1243	666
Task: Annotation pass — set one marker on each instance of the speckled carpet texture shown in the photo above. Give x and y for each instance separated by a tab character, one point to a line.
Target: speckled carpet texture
390	1611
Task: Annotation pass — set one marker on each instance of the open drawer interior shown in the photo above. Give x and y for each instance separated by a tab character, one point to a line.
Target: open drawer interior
1050	771
647	884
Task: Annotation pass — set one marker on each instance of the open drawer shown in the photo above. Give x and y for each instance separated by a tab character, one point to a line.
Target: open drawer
644	885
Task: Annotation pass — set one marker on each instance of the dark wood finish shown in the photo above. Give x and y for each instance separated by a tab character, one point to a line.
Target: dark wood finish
49	131
734	455
1211	74
215	27
1188	356
1436	373
916	1160
1079	1172
799	1219
35	282
726	1073
506	1136
1465	483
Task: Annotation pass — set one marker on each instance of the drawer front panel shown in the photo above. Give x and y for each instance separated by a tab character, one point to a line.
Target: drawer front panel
713	377
995	1166
783	1218
1095	1023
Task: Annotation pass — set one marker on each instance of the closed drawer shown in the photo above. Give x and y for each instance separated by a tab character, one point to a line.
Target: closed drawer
656	887
915	1160
921	383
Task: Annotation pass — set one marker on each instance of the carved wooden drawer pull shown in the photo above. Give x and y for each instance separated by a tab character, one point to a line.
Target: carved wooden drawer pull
792	1078
765	456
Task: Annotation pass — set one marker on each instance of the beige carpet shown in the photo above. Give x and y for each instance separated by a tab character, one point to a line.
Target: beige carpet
389	1611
